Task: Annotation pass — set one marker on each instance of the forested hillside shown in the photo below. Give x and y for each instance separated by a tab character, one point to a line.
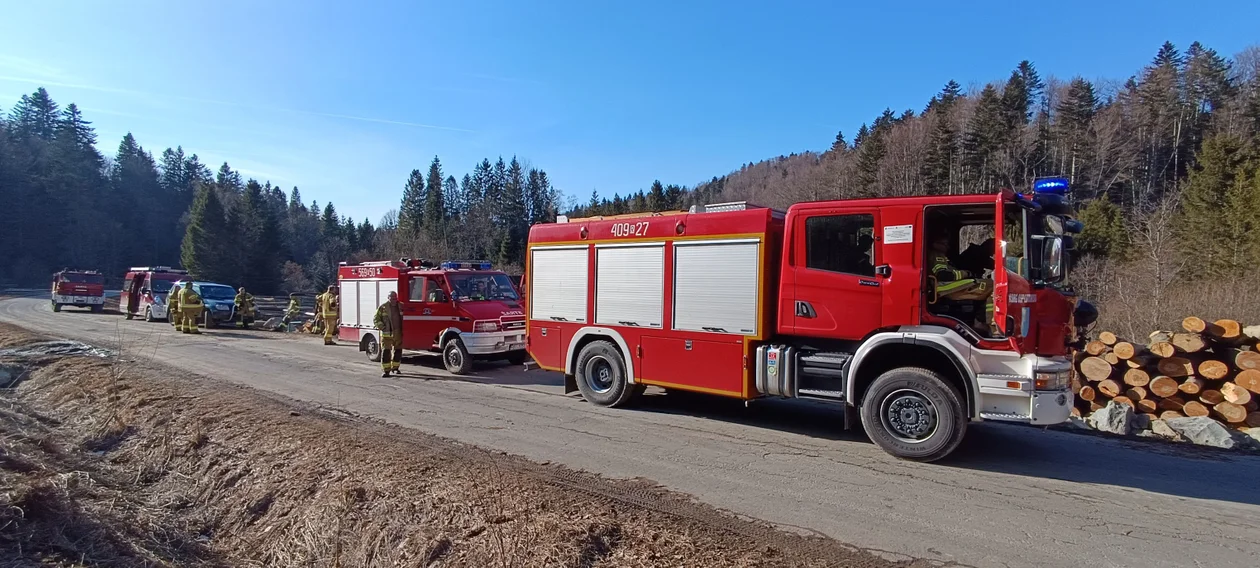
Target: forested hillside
1165	166
67	205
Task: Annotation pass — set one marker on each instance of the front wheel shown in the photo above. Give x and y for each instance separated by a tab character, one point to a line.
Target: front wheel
148	315
601	375
455	357
913	414
209	320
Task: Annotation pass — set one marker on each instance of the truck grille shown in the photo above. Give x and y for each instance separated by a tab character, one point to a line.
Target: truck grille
513	325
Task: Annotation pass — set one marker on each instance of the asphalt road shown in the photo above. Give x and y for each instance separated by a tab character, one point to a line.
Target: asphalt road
1010	496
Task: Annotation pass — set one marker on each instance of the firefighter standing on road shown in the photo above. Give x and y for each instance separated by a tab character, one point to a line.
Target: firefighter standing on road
244	303
172	308
326	306
388	320
190	307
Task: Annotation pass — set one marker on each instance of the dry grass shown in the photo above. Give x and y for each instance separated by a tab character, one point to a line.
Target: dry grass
111	464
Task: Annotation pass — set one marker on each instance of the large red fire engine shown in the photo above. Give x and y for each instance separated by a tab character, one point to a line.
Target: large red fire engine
460	309
833	301
80	288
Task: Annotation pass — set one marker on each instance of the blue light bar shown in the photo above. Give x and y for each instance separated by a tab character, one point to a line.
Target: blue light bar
1055	185
466	265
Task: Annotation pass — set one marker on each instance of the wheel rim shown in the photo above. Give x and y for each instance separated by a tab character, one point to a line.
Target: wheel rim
454	358
908	416
599	374
373	348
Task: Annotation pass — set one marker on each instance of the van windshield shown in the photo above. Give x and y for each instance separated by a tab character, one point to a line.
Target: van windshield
216	292
476	287
80	278
161	286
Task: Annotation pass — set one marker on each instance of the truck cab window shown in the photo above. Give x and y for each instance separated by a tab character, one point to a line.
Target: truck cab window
415	289
841	243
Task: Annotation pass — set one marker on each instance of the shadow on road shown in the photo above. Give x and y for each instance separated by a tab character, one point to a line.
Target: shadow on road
817	420
484	372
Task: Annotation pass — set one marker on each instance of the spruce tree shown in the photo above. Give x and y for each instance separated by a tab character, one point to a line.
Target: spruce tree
411	212
656	197
202	251
260	241
1219	227
434	202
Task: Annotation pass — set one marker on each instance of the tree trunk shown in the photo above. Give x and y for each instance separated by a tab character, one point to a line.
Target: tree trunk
1176	367
1213	369
1095	369
1147	406
1137	378
1136	393
1124	350
1225	329
1109	388
1163	387
1165	415
1211	397
1172	403
1108	338
1087	393
1163	349
1111	358
1095	348
1246	360
1192	385
1194	325
1194	408
1235	394
1250	380
1230	412
1188	342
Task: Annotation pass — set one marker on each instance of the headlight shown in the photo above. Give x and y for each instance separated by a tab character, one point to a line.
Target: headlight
1051	381
488	326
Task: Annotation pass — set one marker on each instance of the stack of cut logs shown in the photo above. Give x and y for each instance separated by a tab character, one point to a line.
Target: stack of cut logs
1208	369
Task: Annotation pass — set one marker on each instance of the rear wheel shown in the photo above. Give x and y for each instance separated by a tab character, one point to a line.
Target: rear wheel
455	357
209	320
601	375
372	347
914	414
56	307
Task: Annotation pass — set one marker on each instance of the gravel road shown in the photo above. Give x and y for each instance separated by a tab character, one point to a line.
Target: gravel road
1010	496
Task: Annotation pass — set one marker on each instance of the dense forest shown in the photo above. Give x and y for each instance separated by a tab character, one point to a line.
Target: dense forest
67	205
1165	167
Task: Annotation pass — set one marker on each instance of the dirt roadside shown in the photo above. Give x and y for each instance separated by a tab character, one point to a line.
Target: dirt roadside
112	462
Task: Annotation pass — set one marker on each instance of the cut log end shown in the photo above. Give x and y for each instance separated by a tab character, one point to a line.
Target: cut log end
1162	349
1225	329
1165	415
1095	368
1188	342
1136	393
1095	348
1195	408
1108	338
1125	401
1250	380
1213	369
1176	367
1194	325
1246	360
1253	419
1147	406
1230	412
1211	397
1109	388
1191	385
1124	350
1087	393
1163	387
1137	378
1236	394
1110	358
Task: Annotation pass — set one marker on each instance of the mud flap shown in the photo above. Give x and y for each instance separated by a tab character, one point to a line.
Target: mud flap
850	416
570	384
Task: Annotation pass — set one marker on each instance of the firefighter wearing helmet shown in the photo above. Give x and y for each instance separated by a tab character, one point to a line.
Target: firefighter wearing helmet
295	307
244	303
172	308
190	306
326	308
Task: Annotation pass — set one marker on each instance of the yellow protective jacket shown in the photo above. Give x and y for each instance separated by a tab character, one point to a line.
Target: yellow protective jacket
294	308
189	299
172	299
948	278
244	303
326	305
388	320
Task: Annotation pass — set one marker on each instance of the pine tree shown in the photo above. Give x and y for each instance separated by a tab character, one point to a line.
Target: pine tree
411	212
940	161
1073	127
451	199
983	140
1220	226
260	243
35	115
655	198
839	145
1105	232
330	223
514	210
434	202
202	251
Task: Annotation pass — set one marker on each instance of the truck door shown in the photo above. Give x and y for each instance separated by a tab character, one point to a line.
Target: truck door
837	292
427	310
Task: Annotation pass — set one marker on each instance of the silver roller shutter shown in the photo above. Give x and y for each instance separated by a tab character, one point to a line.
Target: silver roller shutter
367	303
349	302
630	285
558	280
715	287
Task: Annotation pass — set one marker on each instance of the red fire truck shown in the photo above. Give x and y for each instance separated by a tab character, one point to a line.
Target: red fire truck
145	289
80	288
834	301
462	310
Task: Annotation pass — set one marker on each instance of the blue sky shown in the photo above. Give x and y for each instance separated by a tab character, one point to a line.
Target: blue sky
344	100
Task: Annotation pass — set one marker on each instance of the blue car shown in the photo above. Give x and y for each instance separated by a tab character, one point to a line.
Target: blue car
219	301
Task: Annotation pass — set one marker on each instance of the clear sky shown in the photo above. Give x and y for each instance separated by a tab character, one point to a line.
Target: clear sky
344	99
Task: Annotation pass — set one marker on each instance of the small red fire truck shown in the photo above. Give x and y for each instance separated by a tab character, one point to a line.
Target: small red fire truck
145	290
80	288
834	301
462	310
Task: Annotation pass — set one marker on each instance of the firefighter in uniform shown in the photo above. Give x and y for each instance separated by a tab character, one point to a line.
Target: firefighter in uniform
244	303
295	307
388	320
960	285
326	306
190	307
172	308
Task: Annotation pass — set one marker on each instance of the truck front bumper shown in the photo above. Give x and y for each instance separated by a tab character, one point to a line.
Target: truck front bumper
493	343
1037	407
79	300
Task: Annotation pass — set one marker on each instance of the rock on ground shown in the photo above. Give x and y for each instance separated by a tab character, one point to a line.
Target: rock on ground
1205	431
1113	418
1163	430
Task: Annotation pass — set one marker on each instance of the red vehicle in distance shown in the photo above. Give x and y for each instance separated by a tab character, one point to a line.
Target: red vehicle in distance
79	288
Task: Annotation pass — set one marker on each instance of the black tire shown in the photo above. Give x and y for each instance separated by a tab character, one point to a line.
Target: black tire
208	320
518	358
913	414
97	308
56	307
456	358
148	315
373	348
601	375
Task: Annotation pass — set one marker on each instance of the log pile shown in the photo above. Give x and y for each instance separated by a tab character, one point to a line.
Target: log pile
1206	369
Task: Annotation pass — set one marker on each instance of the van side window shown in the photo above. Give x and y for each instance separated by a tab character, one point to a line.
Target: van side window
841	243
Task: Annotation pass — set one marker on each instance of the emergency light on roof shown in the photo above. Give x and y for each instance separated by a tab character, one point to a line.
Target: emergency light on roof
466	265
157	269
1054	185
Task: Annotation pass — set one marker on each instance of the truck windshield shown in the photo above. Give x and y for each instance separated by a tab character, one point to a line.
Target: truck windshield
80	278
475	287
216	292
161	286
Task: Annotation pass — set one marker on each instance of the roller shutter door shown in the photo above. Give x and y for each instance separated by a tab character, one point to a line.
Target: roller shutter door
630	285
715	287
558	280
